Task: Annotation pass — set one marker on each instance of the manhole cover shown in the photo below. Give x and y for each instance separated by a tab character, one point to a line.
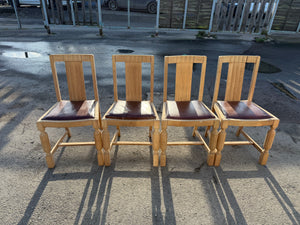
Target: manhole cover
265	68
20	54
125	51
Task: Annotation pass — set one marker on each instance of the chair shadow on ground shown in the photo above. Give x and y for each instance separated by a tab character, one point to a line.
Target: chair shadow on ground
223	202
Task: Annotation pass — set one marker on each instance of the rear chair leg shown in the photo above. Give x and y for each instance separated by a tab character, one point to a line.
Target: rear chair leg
150	131
268	144
46	146
68	132
194	131
206	131
119	131
238	132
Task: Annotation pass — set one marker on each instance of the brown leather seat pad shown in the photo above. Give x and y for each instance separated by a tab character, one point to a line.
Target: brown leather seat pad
131	110
242	110
72	110
187	110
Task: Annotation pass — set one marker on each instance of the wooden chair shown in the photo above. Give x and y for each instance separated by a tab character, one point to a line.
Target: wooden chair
75	112
133	112
233	111
186	113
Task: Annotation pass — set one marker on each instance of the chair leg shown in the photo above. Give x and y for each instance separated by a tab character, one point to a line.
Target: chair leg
155	143
220	144
163	144
106	145
68	131
212	145
150	131
194	131
206	131
267	145
98	143
46	146
119	131
238	132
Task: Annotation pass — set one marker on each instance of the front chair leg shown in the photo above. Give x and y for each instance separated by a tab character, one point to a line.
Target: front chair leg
98	143
212	145
155	143
106	145
267	145
163	144
220	144
46	146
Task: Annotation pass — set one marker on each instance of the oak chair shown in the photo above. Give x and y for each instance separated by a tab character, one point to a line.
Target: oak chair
132	112
232	111
184	112
77	111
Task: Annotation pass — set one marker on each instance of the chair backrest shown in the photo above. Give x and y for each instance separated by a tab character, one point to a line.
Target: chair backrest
235	76
184	73
133	75
75	75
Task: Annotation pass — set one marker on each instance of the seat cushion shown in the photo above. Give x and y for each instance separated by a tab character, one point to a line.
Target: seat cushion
131	110
242	110
187	110
72	110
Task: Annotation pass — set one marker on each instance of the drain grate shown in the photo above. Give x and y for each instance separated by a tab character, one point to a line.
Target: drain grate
282	88
125	51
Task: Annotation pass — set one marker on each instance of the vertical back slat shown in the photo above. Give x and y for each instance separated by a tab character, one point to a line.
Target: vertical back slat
75	78
235	76
235	79
184	73
133	73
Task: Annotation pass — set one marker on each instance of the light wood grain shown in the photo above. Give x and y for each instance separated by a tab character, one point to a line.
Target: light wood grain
133	78
234	84
183	79
77	92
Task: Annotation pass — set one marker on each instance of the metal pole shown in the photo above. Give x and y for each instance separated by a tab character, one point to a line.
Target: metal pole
100	18
16	12
298	27
46	22
185	11
242	16
72	12
273	16
212	16
128	13
157	17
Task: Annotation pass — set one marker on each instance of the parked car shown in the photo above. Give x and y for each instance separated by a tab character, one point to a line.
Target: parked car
149	5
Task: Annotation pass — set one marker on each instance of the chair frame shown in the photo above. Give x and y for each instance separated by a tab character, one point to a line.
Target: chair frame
75	77
235	77
184	72
133	72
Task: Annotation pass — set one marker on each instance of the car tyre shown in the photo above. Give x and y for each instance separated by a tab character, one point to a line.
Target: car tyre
112	5
152	7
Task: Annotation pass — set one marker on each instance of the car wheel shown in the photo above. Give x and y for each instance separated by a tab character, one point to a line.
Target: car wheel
152	7
112	5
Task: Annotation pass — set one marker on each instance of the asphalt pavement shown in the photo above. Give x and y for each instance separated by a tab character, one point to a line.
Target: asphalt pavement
131	191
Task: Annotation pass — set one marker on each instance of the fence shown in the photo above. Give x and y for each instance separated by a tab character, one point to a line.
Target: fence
212	15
